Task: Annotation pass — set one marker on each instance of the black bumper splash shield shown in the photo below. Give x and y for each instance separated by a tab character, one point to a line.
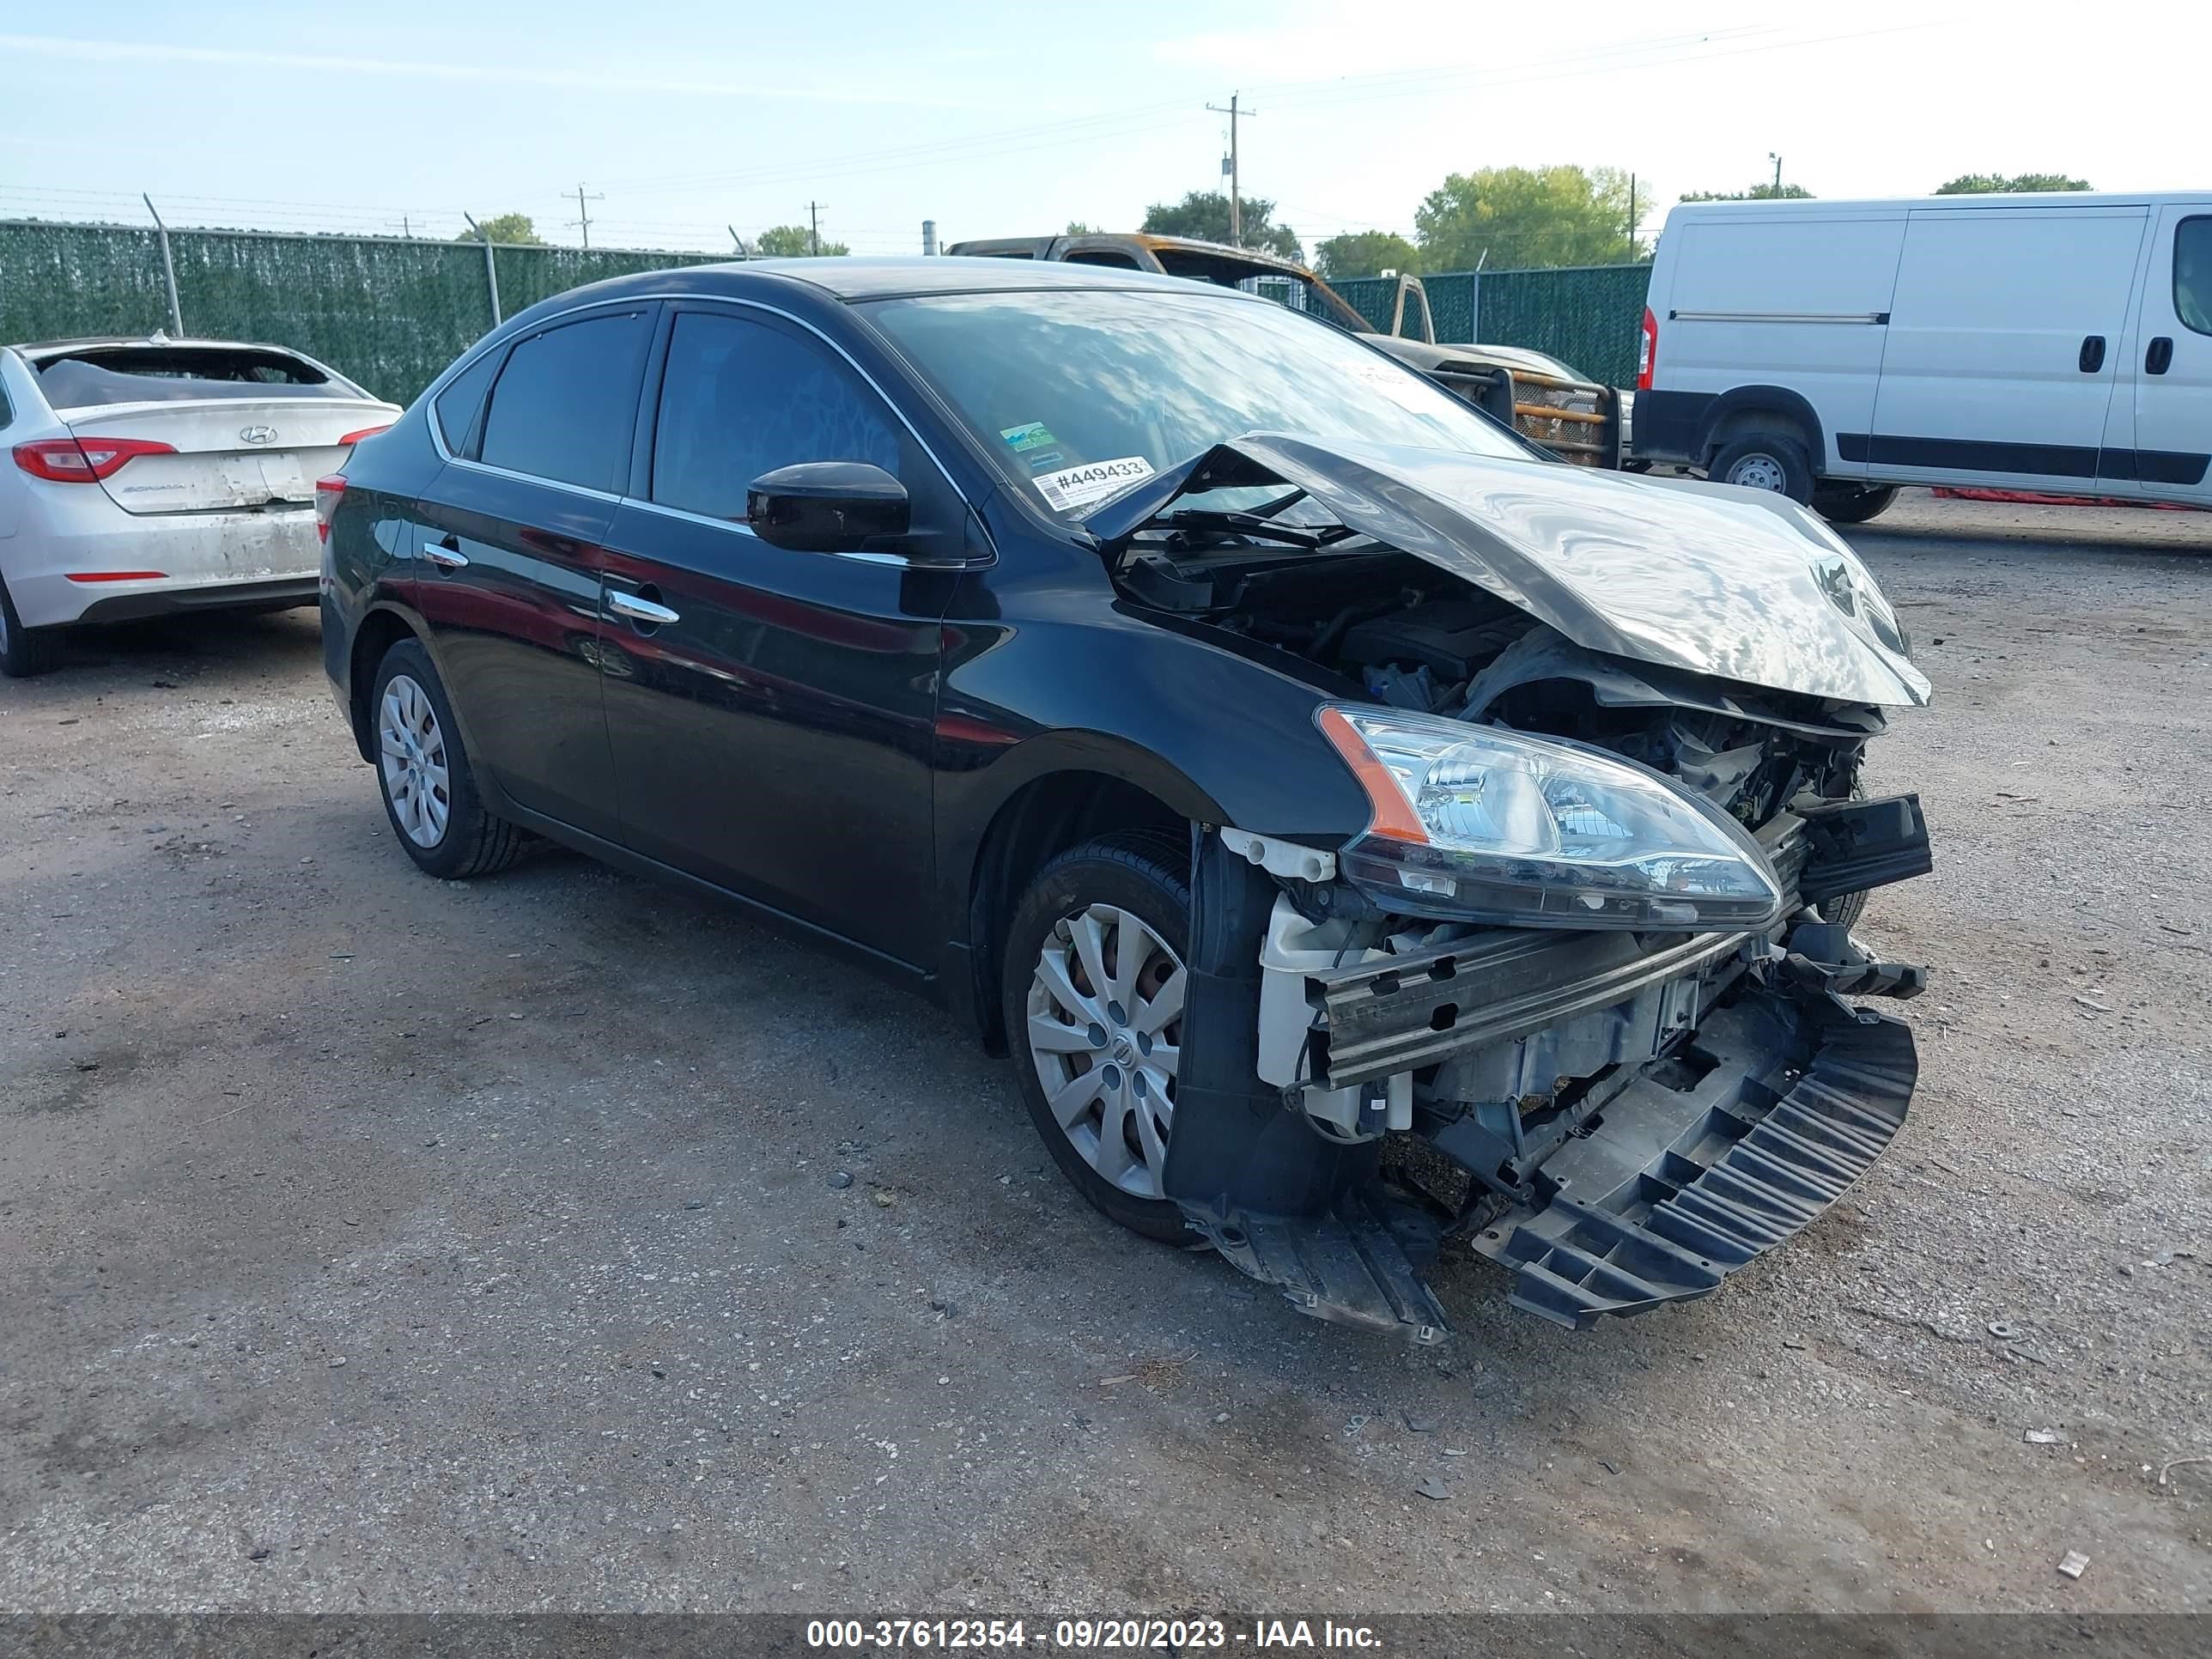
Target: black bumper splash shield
1675	1188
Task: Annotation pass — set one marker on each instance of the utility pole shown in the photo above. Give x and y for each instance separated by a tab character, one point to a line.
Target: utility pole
1235	200
1776	160
583	219
814	227
739	241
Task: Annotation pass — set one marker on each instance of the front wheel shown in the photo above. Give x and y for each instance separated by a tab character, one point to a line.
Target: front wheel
429	793
1853	506
1093	982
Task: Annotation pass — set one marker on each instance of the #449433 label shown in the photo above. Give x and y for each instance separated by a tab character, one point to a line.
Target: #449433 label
1078	486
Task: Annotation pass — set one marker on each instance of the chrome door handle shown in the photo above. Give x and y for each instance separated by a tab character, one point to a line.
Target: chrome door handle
445	557
639	610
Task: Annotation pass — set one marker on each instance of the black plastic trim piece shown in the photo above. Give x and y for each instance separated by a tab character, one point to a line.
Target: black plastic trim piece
1858	844
224	596
1675	1189
2029	460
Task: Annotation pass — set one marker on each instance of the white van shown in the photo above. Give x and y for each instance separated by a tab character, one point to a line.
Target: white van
1834	350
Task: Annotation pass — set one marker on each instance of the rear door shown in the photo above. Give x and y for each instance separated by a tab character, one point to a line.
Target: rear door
772	732
507	568
2005	341
2161	441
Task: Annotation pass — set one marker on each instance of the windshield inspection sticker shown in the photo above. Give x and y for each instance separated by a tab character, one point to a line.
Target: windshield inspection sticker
1078	486
1028	436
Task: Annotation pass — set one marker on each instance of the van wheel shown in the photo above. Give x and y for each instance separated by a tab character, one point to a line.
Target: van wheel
1765	460
1852	506
23	653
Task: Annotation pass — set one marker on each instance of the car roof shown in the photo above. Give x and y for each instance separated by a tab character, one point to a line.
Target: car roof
38	348
852	278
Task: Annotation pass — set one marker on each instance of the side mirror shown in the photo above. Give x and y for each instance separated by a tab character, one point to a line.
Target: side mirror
826	506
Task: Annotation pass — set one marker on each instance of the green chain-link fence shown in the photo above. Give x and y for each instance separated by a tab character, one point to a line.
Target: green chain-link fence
1587	316
387	311
391	312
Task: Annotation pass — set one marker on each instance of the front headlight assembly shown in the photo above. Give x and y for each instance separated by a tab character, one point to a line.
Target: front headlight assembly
1480	823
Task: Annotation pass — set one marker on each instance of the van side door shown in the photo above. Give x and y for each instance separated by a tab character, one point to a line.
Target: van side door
2004	338
2165	452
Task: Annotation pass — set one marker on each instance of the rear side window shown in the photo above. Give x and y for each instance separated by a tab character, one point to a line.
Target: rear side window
456	407
566	400
2192	274
742	397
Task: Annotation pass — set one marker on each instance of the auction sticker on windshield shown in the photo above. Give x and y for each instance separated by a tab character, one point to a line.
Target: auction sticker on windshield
1078	486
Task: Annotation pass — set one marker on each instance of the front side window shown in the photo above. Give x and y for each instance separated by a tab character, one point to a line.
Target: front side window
2192	274
741	398
567	401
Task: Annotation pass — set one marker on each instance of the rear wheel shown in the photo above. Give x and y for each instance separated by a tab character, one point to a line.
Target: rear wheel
429	793
1848	506
25	652
1765	460
1093	980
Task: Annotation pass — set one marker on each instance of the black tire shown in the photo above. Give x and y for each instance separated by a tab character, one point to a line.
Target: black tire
25	652
474	843
1848	506
1144	874
1786	453
1845	908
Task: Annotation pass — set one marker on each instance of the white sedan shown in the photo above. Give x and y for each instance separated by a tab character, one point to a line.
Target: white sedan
149	476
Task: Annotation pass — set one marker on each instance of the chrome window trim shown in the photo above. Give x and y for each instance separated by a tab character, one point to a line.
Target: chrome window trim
438	438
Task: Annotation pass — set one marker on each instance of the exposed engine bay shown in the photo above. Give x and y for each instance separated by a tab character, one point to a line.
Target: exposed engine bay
1620	1116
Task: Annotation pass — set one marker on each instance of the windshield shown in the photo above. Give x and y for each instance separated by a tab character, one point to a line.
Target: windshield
1081	394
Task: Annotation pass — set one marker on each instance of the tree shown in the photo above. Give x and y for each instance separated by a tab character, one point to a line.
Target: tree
1077	228
1756	193
506	227
1365	253
793	242
1204	214
1996	183
1512	217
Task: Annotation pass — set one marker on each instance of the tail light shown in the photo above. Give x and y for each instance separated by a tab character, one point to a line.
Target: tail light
365	432
1647	351
327	491
81	460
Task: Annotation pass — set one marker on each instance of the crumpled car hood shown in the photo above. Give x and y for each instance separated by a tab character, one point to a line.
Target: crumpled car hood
1742	584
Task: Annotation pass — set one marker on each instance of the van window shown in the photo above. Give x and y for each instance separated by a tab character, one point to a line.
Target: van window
2192	274
742	397
566	400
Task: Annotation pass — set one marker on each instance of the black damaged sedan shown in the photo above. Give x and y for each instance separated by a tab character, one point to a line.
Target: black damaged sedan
1358	828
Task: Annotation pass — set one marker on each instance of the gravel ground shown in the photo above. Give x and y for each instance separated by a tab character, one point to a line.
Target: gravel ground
377	1244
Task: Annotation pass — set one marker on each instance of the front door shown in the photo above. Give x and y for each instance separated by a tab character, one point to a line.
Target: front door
2167	379
2004	336
510	561
772	711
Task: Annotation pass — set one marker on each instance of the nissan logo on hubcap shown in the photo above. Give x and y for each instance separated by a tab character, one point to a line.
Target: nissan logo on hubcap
1124	1050
257	435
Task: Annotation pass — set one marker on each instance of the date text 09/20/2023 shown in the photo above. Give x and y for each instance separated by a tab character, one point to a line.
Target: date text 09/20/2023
1124	1635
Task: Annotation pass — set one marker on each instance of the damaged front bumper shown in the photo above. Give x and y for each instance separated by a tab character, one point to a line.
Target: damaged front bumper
1620	1121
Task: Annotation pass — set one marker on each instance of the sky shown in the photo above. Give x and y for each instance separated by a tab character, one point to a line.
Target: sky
680	118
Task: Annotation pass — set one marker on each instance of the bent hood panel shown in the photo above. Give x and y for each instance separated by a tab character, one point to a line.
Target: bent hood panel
1720	582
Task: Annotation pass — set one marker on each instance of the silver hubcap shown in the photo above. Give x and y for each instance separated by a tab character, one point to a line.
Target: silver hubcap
1759	472
1105	1026
415	780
